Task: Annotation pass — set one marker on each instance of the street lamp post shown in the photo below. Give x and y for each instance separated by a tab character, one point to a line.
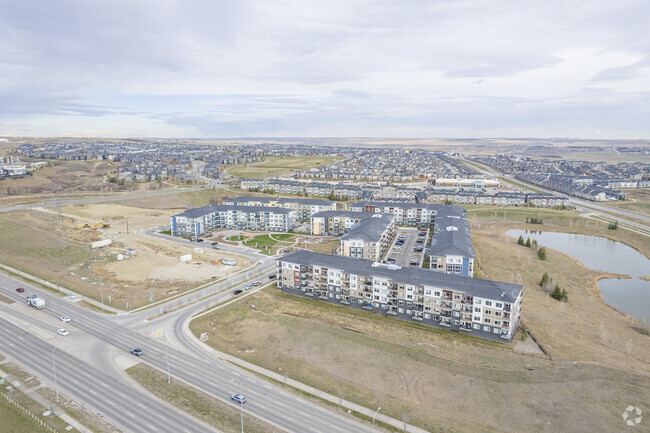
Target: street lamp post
241	408
169	380
101	289
56	386
373	418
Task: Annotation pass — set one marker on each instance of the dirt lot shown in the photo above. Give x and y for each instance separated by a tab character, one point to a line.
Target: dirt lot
70	177
279	165
154	269
439	380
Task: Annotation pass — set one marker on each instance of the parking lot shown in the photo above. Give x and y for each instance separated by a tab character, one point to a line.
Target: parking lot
405	254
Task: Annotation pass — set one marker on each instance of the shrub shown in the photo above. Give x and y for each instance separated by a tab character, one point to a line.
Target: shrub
542	253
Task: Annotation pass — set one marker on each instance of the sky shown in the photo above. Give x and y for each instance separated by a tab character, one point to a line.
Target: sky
334	68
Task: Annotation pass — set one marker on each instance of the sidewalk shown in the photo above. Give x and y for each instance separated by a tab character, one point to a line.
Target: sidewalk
301	386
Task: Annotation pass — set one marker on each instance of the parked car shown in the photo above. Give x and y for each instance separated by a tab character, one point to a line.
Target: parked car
213	243
64	319
414	263
418	249
136	352
20	290
390	260
272	276
216	247
192	239
63	331
238	291
238	398
200	240
399	243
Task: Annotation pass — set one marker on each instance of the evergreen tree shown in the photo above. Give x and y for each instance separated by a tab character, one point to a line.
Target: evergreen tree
565	296
520	241
542	253
528	242
545	279
526	220
556	293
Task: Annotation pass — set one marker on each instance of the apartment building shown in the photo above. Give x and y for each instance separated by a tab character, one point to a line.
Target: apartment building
487	309
406	214
370	238
304	207
194	222
452	249
336	223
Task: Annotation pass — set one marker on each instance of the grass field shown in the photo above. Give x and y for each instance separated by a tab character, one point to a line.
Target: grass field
638	200
279	165
208	409
438	379
270	244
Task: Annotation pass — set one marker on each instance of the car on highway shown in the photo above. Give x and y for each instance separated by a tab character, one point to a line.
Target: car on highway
255	283
216	247
238	398
20	290
63	331
238	291
200	241
213	243
64	319
136	352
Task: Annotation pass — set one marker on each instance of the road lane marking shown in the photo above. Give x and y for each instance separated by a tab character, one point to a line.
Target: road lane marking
142	406
110	402
266	386
130	414
286	417
75	381
104	385
236	373
249	379
313	429
93	392
121	394
151	427
333	426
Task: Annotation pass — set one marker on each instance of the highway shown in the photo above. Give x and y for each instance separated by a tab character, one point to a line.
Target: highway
187	363
580	204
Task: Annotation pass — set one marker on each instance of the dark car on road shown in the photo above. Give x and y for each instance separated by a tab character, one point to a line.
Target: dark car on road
213	243
272	276
20	290
238	291
136	352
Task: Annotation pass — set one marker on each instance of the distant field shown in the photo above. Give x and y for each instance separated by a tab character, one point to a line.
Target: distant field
279	165
638	200
443	380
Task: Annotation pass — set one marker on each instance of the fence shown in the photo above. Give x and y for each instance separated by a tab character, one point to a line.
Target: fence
27	412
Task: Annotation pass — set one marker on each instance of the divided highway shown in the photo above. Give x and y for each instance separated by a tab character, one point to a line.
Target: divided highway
188	364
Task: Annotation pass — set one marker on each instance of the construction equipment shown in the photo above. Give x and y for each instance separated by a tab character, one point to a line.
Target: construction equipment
102	226
83	226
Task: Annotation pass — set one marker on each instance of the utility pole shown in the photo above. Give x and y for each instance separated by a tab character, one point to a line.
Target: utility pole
101	289
169	380
127	225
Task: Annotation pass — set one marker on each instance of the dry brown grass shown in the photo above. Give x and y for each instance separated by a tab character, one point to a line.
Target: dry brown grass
439	379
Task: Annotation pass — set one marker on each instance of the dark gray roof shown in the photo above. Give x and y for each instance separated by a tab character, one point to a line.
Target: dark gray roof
402	205
310	201
201	211
452	237
344	213
369	229
416	276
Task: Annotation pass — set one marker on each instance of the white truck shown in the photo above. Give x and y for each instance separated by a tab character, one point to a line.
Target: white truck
36	302
228	261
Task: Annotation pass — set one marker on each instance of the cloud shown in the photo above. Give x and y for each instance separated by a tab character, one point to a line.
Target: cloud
370	67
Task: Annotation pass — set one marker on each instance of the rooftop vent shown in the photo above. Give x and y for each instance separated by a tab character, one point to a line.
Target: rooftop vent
503	294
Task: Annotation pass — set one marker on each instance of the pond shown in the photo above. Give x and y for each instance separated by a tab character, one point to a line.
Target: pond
631	296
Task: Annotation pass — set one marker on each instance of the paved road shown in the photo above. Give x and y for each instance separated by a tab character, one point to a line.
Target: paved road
188	364
605	211
124	405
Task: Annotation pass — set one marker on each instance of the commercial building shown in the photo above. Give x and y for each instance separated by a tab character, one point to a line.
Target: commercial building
304	207
452	249
194	222
487	309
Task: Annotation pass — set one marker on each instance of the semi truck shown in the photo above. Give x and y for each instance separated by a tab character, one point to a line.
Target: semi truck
36	302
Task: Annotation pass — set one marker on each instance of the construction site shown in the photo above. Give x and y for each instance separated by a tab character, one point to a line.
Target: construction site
102	249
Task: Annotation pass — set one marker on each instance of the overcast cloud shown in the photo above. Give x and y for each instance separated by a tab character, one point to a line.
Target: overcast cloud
229	68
